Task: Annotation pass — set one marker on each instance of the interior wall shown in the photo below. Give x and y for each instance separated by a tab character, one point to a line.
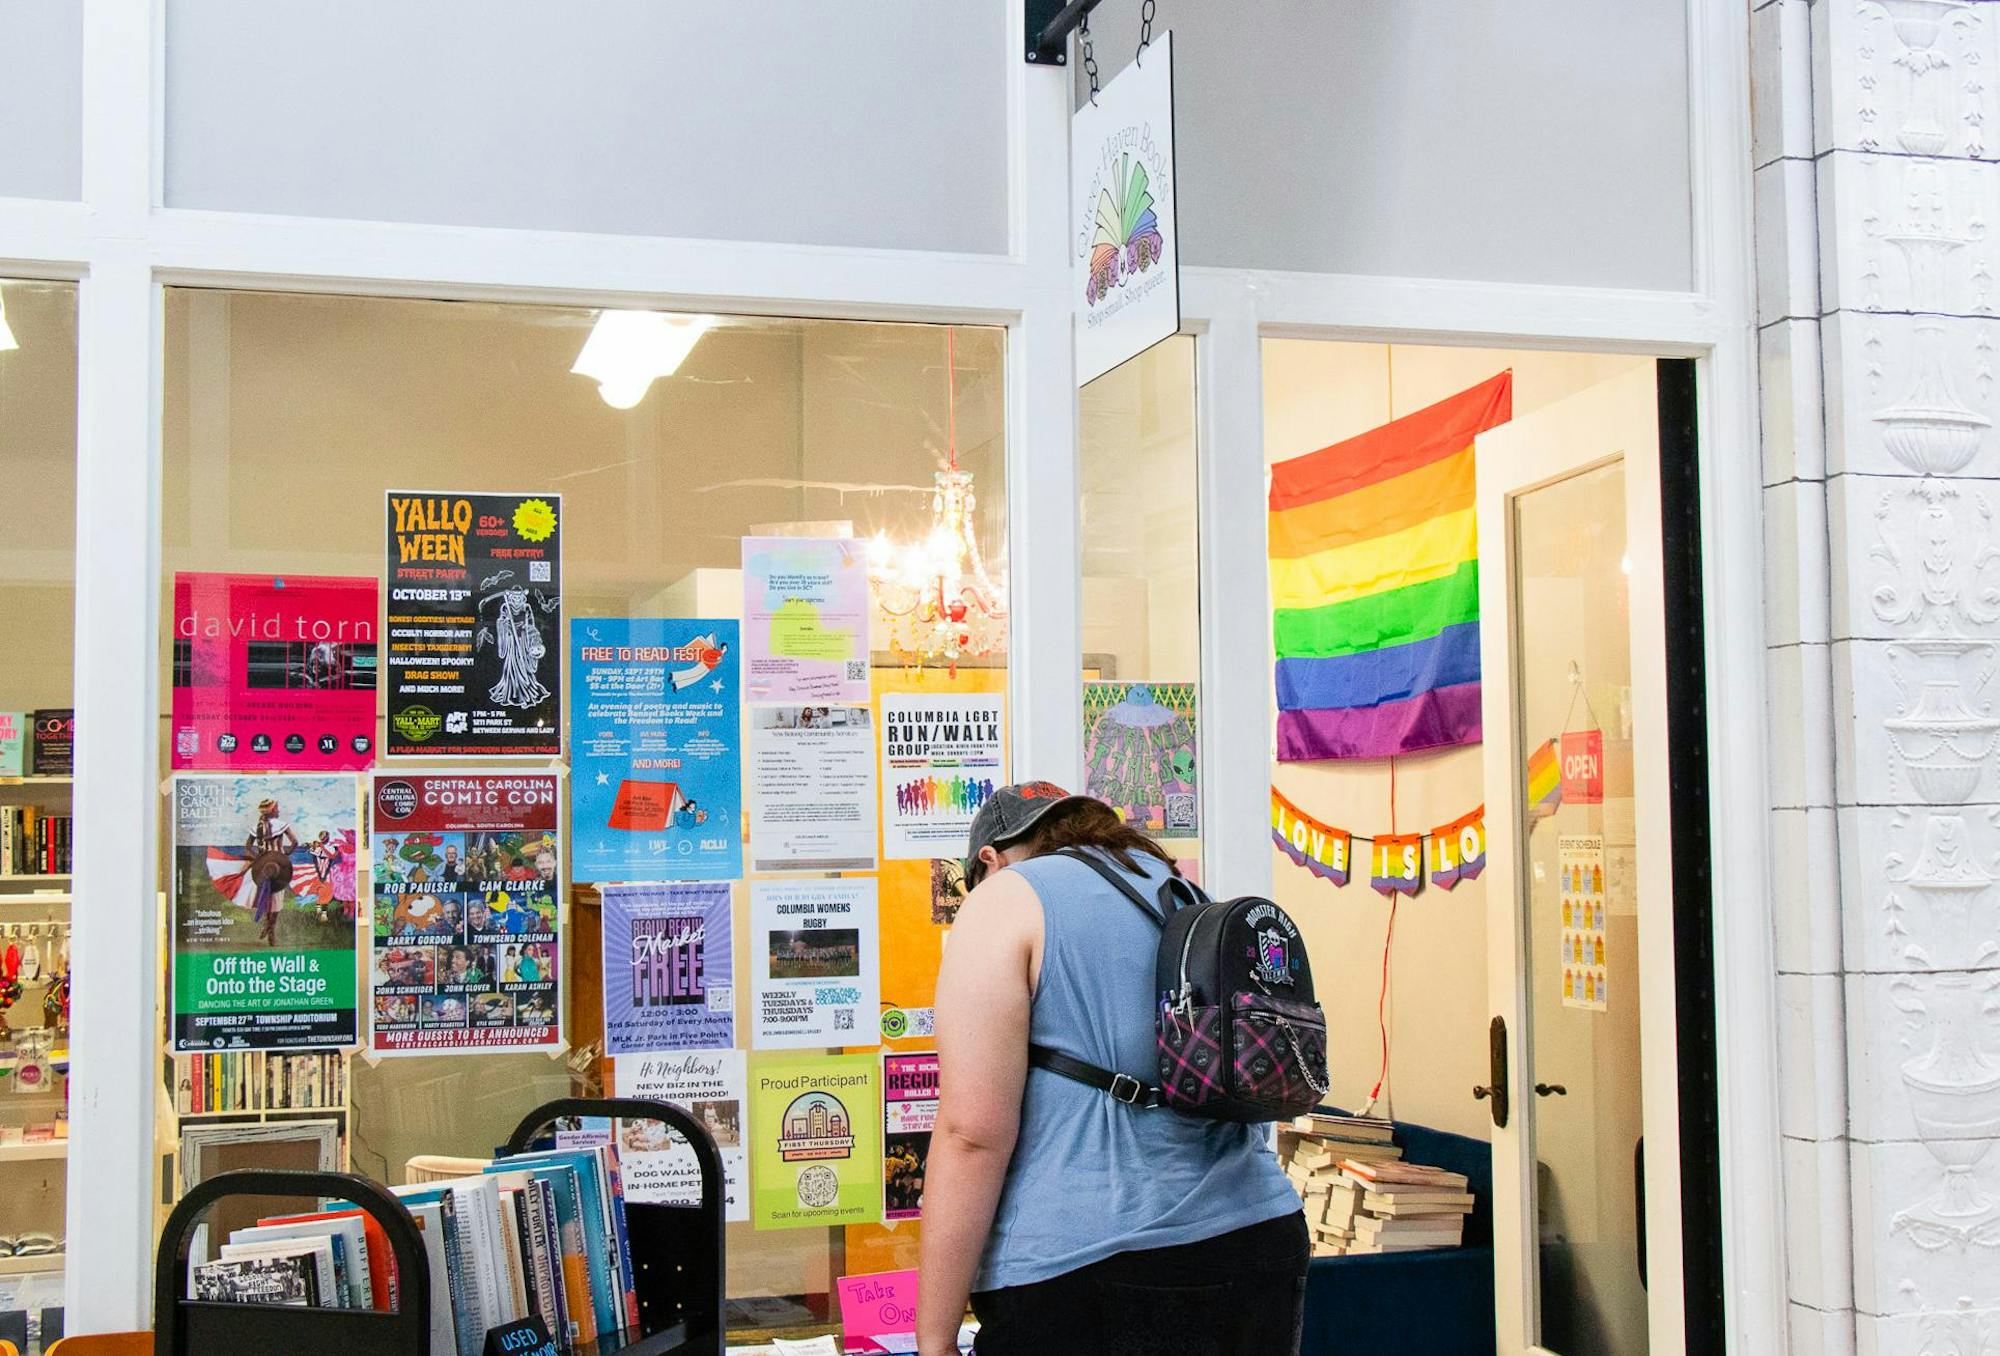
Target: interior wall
41	99
1437	1008
38	461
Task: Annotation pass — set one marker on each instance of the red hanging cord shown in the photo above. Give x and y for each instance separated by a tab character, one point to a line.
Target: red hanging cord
1382	998
951	396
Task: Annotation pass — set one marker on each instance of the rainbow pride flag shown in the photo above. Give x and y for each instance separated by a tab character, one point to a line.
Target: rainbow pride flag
1375	585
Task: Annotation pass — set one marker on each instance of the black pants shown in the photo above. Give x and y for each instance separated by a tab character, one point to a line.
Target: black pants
1237	1294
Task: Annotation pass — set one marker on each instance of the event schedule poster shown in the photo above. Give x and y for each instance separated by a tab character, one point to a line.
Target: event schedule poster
812	788
658	1164
1139	749
667	968
814	963
815	1123
467	875
909	1111
654	731
475	613
1580	867
805	619
264	921
943	756
273	673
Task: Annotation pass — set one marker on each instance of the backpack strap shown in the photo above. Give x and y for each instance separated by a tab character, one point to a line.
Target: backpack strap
1120	1087
1118	882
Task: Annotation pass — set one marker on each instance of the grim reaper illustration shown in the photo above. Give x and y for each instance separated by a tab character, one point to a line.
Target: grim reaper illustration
517	638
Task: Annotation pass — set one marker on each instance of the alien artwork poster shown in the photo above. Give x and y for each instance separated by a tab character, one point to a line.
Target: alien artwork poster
474	625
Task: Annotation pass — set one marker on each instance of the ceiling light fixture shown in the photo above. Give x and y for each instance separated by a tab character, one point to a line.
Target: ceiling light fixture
628	351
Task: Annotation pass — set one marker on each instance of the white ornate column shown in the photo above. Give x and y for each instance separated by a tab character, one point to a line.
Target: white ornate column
1905	103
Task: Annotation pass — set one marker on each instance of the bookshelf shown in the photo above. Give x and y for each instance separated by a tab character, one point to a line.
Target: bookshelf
35	797
30	1266
34	1153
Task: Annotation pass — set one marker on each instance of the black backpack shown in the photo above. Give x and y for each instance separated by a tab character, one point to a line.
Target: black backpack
1240	1037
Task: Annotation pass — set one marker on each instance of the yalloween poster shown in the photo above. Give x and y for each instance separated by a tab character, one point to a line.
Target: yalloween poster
264	920
667	968
274	673
466	877
475	617
816	1151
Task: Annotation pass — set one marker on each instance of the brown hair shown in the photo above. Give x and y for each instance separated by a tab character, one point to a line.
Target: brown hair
1093	824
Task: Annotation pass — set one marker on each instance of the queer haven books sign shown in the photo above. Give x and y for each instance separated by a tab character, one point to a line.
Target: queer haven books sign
817	1156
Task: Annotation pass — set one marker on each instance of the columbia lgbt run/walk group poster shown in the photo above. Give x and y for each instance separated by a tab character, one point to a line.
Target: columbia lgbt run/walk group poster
943	756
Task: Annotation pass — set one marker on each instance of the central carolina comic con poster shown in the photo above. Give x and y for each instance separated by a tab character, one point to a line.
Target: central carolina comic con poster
273	673
475	621
264	920
467	879
667	968
816	1152
654	745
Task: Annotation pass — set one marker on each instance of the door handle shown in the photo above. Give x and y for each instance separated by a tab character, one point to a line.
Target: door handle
1551	1090
1496	1066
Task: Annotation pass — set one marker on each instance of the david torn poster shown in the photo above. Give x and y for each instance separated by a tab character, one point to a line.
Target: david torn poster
817	1140
264	919
667	968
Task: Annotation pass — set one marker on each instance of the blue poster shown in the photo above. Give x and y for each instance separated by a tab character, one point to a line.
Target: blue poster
667	969
656	767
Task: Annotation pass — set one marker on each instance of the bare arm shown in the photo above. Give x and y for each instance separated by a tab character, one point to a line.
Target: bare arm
985	987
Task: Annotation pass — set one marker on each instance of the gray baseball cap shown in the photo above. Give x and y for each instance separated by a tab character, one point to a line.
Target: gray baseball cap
1012	814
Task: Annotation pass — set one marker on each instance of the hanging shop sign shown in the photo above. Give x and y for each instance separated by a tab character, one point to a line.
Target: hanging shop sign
943	756
805	619
1139	751
466	878
667	968
1125	229
654	732
265	932
817	1149
658	1164
1583	767
273	673
909	1113
475	612
814	964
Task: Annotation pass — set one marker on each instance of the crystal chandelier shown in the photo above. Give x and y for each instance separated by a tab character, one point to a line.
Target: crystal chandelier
937	602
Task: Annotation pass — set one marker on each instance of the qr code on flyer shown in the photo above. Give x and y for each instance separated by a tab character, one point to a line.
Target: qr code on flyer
538	572
857	670
843	1019
1180	810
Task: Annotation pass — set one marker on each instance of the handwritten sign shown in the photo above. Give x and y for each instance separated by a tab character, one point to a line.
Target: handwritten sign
878	1312
528	1337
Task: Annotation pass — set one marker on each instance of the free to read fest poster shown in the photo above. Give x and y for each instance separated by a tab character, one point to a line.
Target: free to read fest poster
274	673
667	967
654	746
817	1151
813	963
658	1166
475	612
909	1111
467	875
264	922
1139	754
943	757
805	619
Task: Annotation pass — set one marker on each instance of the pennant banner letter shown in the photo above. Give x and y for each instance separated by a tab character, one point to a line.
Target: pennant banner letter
1311	844
1399	863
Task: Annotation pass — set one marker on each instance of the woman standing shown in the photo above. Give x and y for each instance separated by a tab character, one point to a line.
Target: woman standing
1073	1221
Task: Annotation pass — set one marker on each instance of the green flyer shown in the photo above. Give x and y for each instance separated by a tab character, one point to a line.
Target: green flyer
816	1128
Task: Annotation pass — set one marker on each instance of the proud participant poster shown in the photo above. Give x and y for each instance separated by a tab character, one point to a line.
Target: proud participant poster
654	734
264	919
816	1152
475	615
273	673
466	879
667	968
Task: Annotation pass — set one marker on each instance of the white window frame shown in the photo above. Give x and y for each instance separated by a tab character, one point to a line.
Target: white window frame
124	247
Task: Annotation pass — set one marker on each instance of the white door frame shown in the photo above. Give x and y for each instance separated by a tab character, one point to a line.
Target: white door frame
123	247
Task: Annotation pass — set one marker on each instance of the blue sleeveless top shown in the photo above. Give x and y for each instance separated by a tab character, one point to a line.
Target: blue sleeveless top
1090	1176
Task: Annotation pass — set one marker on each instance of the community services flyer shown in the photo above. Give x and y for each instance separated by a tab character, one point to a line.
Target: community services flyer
658	1164
264	920
667	967
813	959
812	788
654	727
805	619
943	756
815	1122
466	877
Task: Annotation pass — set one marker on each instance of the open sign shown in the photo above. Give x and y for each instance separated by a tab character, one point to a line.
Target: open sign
1583	767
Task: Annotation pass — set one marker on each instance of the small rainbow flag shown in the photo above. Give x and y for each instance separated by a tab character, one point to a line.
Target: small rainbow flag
1545	783
1375	585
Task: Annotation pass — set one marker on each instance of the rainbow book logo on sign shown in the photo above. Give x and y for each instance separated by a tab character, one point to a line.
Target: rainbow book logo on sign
1545	787
1127	240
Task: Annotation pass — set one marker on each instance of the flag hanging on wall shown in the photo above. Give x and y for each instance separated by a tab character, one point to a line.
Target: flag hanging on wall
1375	585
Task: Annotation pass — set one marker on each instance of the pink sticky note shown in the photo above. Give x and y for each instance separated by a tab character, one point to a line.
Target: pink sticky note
878	1312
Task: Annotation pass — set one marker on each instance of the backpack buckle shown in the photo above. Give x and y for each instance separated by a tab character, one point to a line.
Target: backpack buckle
1127	1089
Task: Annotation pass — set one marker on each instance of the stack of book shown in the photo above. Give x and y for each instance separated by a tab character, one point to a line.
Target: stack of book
1391	1207
33	843
1314	1146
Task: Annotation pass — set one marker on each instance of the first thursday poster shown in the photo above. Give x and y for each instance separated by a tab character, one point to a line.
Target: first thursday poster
273	673
1139	751
812	785
814	963
667	968
909	1112
475	620
264	918
816	1127
805	619
1580	866
943	756
654	747
658	1165
466	878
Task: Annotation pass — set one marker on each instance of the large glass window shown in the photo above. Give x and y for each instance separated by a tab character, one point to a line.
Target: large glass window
38	598
314	438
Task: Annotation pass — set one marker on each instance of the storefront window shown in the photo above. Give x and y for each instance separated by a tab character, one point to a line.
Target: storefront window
528	503
1141	609
38	597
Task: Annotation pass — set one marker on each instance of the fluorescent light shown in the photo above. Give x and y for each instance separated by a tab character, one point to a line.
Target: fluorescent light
7	341
628	351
